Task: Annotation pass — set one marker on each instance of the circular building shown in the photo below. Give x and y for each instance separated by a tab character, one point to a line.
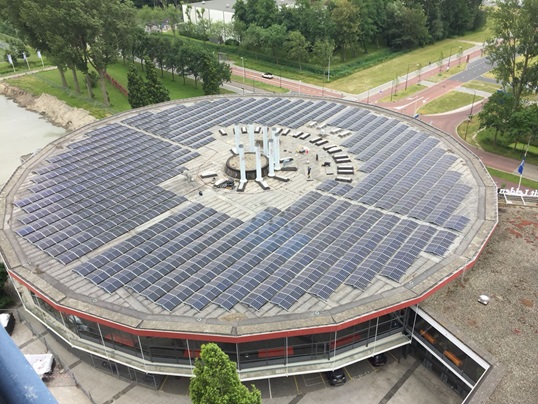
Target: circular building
140	237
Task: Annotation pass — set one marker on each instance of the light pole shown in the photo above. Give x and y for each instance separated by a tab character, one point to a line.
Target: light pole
407	74
472	105
280	76
329	70
470	115
243	64
299	86
449	56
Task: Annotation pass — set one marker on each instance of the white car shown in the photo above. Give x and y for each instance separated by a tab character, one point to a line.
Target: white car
267	75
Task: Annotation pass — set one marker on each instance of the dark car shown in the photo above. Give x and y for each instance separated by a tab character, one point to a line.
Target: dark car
336	377
378	360
267	75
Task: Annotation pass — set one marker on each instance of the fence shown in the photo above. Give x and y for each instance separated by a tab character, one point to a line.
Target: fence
116	85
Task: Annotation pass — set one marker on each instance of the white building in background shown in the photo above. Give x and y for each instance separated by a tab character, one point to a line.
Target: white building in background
216	10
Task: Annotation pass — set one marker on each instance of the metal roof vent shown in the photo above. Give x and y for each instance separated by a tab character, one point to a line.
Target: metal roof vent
483	299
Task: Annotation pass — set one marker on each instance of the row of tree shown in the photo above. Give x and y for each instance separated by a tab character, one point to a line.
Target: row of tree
514	53
354	24
179	56
74	34
77	34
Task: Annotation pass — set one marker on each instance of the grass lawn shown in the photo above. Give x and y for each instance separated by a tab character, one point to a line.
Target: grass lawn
50	83
485	139
523	147
467	129
21	67
385	72
512	178
482	86
177	89
401	94
448	102
490	75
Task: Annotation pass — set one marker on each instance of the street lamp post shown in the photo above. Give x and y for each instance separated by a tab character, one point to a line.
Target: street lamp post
299	86
472	105
243	64
450	55
280	76
407	74
470	115
329	70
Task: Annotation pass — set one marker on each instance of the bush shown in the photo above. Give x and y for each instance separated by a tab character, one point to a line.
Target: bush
94	78
5	299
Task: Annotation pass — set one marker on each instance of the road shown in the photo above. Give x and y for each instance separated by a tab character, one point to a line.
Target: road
293	85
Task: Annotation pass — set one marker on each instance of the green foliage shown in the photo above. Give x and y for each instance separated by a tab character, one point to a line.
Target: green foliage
94	78
216	380
497	112
407	26
155	90
297	47
137	88
345	19
16	47
514	46
5	299
142	93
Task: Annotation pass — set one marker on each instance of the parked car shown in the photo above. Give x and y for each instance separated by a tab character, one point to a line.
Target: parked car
378	360
267	75
336	377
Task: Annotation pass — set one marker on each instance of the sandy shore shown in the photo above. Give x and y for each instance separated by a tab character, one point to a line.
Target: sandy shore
55	111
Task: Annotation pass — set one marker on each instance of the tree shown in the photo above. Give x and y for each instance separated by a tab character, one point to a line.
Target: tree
524	124
216	380
5	299
407	26
158	50
156	91
497	113
172	59
513	50
137	88
273	38
112	22
346	19
297	47
214	73
323	51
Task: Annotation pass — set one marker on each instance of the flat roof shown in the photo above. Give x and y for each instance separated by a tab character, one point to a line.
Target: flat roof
121	219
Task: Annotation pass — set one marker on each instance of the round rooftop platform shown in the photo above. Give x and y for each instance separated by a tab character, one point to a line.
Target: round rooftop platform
118	220
233	168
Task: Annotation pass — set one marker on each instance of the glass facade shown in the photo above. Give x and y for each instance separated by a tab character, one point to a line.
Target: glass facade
247	355
429	343
443	355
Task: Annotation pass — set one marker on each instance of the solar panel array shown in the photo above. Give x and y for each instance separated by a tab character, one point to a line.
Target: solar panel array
408	204
189	125
98	190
